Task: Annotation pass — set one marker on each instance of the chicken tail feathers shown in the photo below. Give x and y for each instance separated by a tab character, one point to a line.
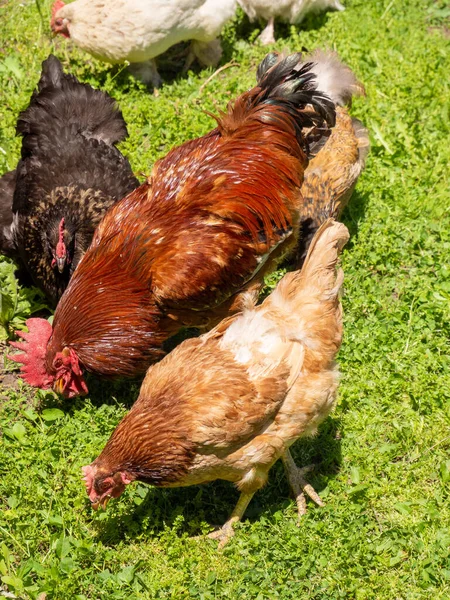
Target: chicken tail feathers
320	262
286	100
329	75
292	80
52	75
334	78
312	294
63	107
317	279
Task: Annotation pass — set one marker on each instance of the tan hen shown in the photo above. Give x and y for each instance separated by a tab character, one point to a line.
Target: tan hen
230	403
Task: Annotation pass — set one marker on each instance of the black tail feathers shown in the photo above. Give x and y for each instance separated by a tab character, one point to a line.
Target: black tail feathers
52	75
62	107
289	81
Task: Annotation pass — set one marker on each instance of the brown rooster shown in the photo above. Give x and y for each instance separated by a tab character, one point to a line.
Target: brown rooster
187	247
229	404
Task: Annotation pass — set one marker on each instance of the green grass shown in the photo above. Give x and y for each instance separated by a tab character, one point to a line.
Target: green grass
384	454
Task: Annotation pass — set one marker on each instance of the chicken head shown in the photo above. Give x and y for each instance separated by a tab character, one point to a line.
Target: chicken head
59	24
64	375
102	486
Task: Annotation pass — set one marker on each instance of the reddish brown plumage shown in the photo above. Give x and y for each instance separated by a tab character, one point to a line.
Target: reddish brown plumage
189	241
215	215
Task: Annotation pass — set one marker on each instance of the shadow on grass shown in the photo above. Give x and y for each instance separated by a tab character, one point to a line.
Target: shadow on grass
354	214
249	31
101	392
310	23
212	503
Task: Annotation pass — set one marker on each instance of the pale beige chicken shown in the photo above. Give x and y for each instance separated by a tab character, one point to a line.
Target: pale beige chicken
229	404
138	31
291	11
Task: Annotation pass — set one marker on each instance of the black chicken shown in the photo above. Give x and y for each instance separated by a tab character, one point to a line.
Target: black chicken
70	173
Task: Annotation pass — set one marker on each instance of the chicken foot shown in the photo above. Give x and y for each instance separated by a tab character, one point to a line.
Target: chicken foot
226	532
298	483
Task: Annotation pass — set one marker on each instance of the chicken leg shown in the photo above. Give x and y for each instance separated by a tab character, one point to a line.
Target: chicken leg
267	37
208	54
226	532
147	72
298	483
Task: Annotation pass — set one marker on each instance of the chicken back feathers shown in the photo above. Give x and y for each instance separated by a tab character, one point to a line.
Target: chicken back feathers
69	174
216	214
228	404
332	174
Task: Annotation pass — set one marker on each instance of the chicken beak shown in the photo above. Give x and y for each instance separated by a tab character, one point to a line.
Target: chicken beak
61	263
103	503
58	386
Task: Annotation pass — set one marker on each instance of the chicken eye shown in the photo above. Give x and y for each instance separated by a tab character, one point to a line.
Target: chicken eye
104	486
58	22
57	363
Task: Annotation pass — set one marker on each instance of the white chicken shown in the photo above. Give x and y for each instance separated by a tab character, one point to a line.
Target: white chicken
137	31
293	11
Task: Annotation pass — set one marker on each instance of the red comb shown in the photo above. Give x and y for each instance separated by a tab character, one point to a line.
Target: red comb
56	6
33	367
88	476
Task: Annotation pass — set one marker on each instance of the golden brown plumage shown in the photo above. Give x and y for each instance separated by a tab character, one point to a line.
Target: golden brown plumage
332	174
229	404
336	162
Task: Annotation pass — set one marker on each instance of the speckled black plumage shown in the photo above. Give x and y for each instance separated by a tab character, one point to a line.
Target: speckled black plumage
70	168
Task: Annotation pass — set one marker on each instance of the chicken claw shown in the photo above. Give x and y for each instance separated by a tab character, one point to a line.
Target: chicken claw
223	535
298	483
226	532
